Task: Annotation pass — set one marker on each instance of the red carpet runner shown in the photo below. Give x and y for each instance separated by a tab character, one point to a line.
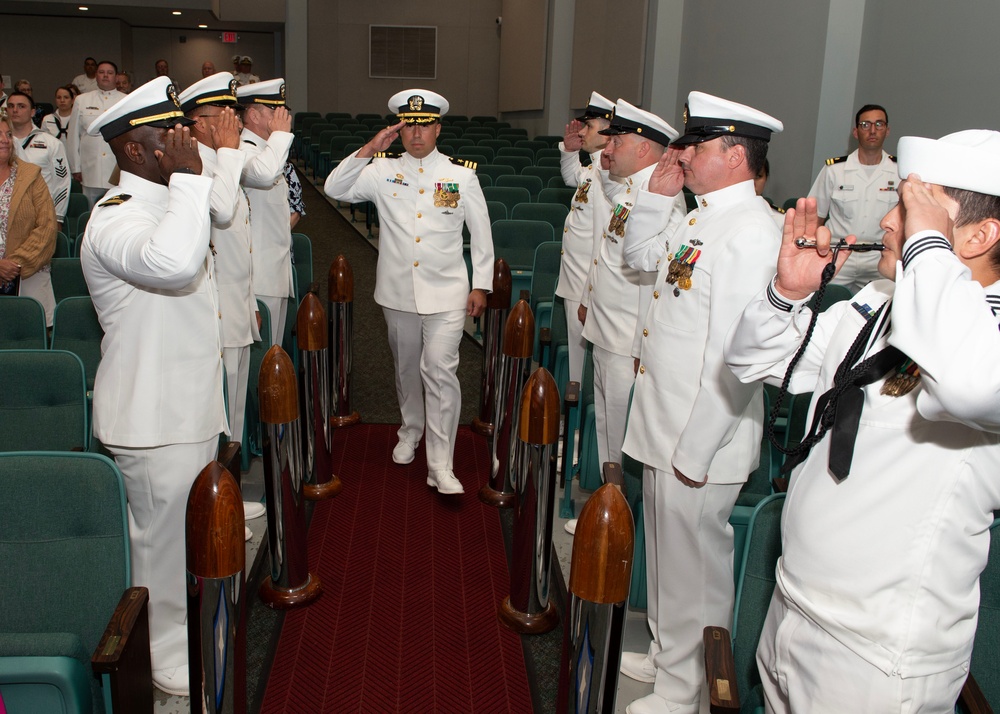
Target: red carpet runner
411	585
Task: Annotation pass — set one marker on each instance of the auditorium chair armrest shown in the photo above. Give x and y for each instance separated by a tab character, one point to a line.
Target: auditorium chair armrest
545	336
229	457
971	700
613	474
571	398
122	655
720	671
780	484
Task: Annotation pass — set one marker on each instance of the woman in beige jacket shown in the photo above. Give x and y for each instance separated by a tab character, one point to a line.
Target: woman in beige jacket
27	226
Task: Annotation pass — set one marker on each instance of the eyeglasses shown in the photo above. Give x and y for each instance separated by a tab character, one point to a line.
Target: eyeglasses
866	125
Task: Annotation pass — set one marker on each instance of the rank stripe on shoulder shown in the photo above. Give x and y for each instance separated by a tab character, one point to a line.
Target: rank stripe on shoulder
463	162
115	200
836	160
386	155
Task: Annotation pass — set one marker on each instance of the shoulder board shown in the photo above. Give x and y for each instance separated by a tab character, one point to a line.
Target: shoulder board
836	160
463	162
892	158
247	141
386	155
115	200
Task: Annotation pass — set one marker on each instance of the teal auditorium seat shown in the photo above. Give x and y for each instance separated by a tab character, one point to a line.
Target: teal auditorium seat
64	540
516	242
302	259
67	278
544	277
76	329
986	650
755	585
43	406
22	324
532	184
509	196
552	213
561	194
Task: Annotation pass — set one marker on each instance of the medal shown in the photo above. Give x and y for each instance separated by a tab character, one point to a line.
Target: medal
681	268
618	218
446	195
581	192
906	378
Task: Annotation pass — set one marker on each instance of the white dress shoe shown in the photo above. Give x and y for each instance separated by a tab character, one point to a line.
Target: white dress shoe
445	482
638	666
649	704
173	681
403	453
247	533
570	526
253	509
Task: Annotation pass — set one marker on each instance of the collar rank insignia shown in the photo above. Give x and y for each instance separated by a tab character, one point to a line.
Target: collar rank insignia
581	192
446	195
617	224
115	200
681	268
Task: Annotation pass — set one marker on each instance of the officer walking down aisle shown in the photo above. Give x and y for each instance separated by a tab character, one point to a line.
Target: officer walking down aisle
158	404
423	199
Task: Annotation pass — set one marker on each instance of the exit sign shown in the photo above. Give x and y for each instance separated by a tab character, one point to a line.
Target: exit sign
229	38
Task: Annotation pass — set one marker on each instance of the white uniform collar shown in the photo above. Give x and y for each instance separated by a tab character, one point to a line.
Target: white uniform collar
725	197
139	187
640	177
411	162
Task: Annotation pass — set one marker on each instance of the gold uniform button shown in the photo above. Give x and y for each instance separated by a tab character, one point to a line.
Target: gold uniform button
420	215
220	354
562	252
220	315
645	332
565	230
595	261
656	294
416	263
692	221
420	170
642	370
393	193
420	191
589	288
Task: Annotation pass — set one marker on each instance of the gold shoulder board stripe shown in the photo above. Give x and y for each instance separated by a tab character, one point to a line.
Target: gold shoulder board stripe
836	160
115	200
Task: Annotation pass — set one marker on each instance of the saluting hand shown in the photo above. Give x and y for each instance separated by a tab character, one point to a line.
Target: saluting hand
226	134
923	211
180	151
800	270
571	139
281	121
381	141
668	176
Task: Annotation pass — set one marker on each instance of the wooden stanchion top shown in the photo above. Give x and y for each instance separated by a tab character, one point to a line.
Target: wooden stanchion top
340	281
503	285
601	569
519	332
310	324
279	400
214	524
540	409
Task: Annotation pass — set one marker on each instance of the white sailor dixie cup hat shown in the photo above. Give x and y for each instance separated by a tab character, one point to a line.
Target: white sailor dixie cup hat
153	104
707	117
217	90
270	93
967	160
629	119
598	108
418	106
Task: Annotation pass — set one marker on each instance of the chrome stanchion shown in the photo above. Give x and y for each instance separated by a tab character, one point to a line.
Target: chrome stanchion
340	293
290	582
497	310
216	558
514	363
527	609
314	398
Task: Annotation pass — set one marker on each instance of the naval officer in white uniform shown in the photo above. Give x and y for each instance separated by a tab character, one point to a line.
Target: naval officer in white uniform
91	160
423	199
266	139
855	191
694	426
158	404
885	536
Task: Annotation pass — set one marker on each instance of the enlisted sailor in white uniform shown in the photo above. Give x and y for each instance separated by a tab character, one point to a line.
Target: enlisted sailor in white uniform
616	293
266	139
39	147
587	216
423	198
209	104
693	425
91	160
855	191
885	536
158	404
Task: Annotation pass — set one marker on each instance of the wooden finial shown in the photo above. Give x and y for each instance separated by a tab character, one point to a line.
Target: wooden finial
279	401
214	524
519	332
601	569
340	281
540	409
310	324
499	299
